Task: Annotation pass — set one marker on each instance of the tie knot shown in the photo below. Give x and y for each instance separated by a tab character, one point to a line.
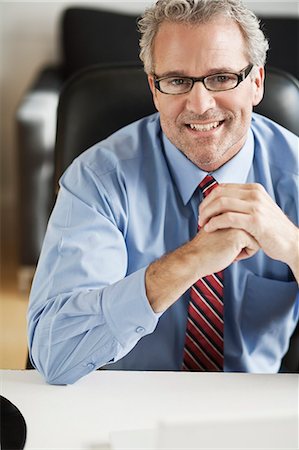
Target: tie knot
207	185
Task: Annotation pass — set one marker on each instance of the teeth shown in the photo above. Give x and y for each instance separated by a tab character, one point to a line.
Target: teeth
205	127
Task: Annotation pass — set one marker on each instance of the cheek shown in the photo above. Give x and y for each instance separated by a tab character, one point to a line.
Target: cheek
240	106
170	109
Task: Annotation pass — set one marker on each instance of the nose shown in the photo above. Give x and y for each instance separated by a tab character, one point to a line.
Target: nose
199	99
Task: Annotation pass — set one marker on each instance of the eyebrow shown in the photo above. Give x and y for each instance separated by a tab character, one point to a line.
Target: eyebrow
182	73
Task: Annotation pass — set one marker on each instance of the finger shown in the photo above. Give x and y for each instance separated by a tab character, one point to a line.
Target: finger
250	199
222	206
253	192
234	220
245	254
244	188
251	248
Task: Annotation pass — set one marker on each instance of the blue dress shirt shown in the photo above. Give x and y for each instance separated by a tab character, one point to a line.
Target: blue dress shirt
121	205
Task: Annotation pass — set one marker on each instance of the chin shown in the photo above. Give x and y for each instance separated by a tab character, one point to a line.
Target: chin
206	160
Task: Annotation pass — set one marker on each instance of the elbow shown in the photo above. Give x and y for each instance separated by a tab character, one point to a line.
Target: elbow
58	366
53	356
48	370
62	374
58	376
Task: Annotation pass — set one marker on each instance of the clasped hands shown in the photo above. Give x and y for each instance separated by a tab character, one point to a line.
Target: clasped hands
252	221
236	220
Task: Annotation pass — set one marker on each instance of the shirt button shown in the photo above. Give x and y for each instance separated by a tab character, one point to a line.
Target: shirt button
90	366
139	330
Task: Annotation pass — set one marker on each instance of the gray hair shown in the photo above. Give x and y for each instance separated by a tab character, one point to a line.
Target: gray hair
201	11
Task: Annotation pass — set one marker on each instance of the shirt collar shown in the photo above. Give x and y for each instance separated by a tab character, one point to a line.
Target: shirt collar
187	175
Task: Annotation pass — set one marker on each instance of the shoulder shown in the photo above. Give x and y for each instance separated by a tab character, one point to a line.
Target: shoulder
109	164
275	144
131	144
129	147
105	175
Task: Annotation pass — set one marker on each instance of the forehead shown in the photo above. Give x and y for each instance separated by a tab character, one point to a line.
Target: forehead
200	48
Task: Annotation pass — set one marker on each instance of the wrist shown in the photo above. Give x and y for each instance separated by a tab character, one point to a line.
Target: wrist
170	276
292	254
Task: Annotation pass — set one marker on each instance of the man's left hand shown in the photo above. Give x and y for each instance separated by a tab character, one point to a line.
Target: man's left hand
249	207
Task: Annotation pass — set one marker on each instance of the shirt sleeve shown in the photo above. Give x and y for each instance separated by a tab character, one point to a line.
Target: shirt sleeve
85	309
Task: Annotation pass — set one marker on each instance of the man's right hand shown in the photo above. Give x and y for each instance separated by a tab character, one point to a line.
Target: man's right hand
170	276
221	250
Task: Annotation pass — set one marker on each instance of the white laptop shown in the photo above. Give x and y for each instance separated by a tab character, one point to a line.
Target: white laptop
264	433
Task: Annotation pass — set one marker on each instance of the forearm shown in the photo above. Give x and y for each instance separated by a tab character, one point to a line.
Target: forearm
292	253
169	277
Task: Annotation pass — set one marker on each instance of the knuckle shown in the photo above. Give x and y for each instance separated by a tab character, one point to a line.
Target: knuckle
259	187
257	192
256	211
240	234
222	202
254	197
256	219
230	218
235	236
217	192
256	187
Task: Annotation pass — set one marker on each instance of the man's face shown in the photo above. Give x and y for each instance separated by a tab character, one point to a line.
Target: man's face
208	127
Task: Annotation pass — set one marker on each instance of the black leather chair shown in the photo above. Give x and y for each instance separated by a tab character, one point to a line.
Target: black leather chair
84	33
111	97
283	35
100	100
280	102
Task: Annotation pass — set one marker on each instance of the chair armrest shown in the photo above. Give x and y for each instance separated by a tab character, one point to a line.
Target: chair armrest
290	362
50	78
36	131
38	109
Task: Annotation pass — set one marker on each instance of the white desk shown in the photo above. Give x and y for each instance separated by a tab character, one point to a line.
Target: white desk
82	416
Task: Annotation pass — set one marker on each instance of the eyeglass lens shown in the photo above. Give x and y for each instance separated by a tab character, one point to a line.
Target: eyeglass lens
174	85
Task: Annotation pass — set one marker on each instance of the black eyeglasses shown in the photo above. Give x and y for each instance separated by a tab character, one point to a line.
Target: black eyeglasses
217	82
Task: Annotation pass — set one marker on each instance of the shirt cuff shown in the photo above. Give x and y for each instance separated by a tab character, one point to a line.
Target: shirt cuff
127	310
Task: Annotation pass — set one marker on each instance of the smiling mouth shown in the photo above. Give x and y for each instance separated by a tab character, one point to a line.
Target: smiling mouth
206	126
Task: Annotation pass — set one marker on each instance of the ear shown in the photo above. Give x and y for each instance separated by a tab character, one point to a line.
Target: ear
258	85
151	83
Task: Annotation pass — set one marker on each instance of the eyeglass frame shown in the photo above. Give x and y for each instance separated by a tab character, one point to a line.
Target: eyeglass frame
241	76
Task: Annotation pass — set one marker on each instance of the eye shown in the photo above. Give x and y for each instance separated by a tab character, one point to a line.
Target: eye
175	85
178	81
221	81
222	78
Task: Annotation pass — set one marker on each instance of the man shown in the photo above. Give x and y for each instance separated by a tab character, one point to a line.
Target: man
173	243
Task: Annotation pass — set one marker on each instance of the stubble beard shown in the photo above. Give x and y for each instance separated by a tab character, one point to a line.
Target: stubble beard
206	153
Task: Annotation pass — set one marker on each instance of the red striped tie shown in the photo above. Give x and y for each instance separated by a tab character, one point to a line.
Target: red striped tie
204	333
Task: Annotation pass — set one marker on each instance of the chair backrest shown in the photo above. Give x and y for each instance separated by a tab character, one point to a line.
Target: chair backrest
95	36
86	30
281	99
96	102
283	34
